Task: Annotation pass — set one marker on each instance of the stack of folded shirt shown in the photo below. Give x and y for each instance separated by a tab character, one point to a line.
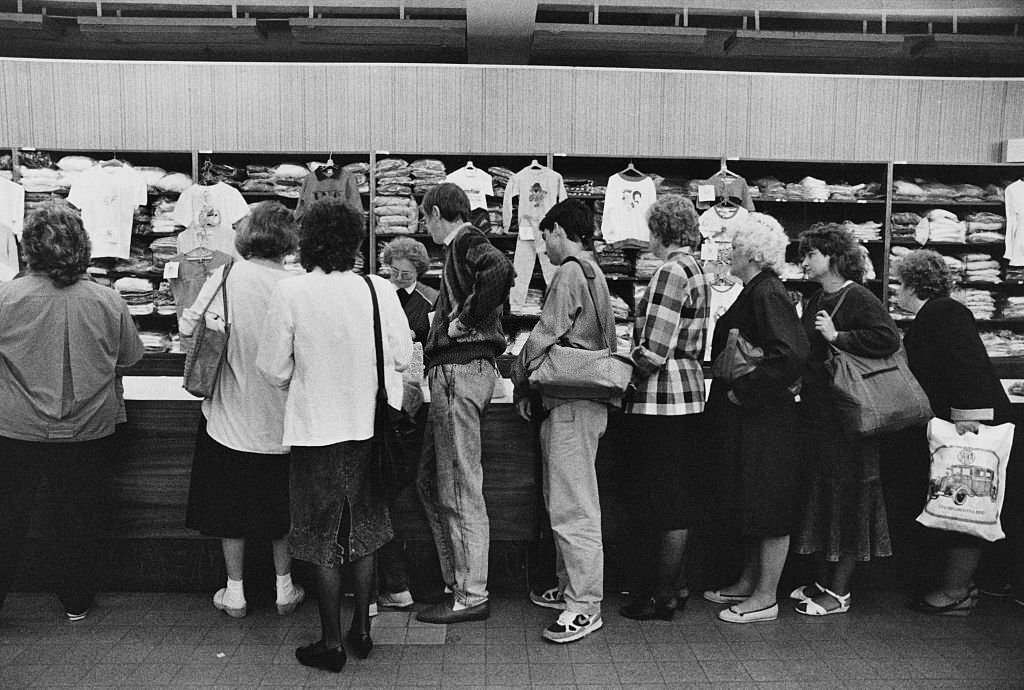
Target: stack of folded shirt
1013	308
646	265
870	190
163	300
173	183
161	221
578	187
163	249
1014	274
394	177
613	261
361	172
41	180
967	193
940	225
434	269
868	231
138	293
994	192
907	191
395	214
619	307
258	180
426	174
844	192
1003	343
500	178
155	341
770	188
212	173
287	179
814	189
981	303
980	268
984	227
904	225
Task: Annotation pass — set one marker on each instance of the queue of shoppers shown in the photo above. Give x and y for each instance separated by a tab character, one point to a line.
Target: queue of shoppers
285	444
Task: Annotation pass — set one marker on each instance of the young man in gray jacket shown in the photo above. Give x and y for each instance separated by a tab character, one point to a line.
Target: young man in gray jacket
577	316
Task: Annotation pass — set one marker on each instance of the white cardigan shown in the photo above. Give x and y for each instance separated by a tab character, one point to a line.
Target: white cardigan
319	346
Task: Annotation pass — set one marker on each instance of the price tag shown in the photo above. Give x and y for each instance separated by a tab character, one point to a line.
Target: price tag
706	192
170	270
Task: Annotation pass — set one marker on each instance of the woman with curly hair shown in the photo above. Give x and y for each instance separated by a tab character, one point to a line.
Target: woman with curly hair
63	339
239	485
661	427
754	418
843	519
319	346
949	360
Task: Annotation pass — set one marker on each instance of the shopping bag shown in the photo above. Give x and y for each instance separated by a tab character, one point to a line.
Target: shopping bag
968	479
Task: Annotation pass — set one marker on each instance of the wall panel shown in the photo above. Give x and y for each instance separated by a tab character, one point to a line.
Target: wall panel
454	108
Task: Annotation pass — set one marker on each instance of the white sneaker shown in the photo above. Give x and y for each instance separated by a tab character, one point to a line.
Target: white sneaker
395	600
549	599
290	603
572	626
231	606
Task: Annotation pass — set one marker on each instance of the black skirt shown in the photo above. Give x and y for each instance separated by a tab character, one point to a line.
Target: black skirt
234	494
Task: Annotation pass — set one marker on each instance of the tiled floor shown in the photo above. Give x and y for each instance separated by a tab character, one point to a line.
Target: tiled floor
179	640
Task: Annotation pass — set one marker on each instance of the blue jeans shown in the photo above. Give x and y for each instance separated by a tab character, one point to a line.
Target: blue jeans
451	477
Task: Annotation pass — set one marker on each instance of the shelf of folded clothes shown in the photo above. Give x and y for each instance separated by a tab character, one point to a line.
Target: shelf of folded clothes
942	202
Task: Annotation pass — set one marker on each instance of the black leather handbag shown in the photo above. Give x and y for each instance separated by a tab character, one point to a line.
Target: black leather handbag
396	438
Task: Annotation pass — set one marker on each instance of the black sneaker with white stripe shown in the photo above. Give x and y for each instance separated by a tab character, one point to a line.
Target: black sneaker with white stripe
572	626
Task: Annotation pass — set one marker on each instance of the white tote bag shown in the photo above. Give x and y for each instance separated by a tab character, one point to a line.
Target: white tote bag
968	479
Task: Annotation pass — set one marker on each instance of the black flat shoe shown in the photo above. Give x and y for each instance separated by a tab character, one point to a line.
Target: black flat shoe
959	607
319	656
359	643
651	608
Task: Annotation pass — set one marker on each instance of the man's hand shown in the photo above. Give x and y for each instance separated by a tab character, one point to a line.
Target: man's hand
456	330
523	408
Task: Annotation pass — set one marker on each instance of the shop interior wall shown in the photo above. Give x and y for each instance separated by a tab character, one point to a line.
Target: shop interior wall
454	108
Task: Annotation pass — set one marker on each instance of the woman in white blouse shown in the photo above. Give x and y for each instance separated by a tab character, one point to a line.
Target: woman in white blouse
319	346
239	485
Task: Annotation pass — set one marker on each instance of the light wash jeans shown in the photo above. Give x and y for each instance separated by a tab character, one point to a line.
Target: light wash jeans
528	252
568	441
451	477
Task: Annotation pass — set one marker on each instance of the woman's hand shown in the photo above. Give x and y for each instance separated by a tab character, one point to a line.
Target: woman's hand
963	427
523	408
823	324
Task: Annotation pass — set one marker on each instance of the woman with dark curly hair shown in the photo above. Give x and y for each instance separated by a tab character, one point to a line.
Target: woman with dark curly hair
239	486
319	346
948	358
843	518
63	339
661	427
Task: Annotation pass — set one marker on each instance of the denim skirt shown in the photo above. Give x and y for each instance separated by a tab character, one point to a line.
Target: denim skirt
339	513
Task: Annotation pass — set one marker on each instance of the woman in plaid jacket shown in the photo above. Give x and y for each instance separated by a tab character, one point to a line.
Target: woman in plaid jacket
661	424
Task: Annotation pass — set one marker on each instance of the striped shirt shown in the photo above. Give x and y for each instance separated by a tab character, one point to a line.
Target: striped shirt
668	339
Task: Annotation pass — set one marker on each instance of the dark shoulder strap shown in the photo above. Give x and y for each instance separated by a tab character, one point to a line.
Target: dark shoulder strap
377	338
842	298
224	288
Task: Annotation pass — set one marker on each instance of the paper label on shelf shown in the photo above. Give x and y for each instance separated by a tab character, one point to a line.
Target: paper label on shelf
706	192
170	270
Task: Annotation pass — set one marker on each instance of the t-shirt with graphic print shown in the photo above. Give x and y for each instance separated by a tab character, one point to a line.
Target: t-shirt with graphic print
626	200
108	197
209	213
476	183
538	188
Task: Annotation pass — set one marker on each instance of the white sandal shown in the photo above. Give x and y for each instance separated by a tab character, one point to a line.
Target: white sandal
799	595
812	608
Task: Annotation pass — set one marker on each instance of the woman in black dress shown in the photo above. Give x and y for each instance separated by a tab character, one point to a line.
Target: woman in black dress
949	360
843	514
754	418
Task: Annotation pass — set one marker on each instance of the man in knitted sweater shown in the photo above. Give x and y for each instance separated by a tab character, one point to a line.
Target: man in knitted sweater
464	339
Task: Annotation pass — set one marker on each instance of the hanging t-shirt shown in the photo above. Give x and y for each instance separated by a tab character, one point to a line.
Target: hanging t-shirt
538	188
718	225
728	187
108	196
342	185
1014	196
722	295
476	183
12	205
210	210
626	201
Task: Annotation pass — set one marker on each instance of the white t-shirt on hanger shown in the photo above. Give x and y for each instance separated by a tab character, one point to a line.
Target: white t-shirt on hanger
626	202
213	209
538	188
12	205
476	183
1014	196
108	197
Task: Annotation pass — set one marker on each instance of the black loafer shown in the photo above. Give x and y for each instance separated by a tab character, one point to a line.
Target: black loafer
318	656
651	608
445	612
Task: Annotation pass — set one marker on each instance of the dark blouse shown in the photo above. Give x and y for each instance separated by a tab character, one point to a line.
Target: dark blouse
949	360
766	317
417	305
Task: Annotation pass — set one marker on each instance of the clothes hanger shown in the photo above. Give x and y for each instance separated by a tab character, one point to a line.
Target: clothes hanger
469	165
327	169
535	165
631	171
200	253
112	162
725	172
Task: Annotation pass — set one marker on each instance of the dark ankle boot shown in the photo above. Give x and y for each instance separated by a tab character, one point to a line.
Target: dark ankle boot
650	608
319	656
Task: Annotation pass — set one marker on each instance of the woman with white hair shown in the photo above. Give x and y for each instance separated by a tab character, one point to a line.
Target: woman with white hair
754	418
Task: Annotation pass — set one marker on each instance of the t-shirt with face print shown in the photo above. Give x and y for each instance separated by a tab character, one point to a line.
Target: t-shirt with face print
209	213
